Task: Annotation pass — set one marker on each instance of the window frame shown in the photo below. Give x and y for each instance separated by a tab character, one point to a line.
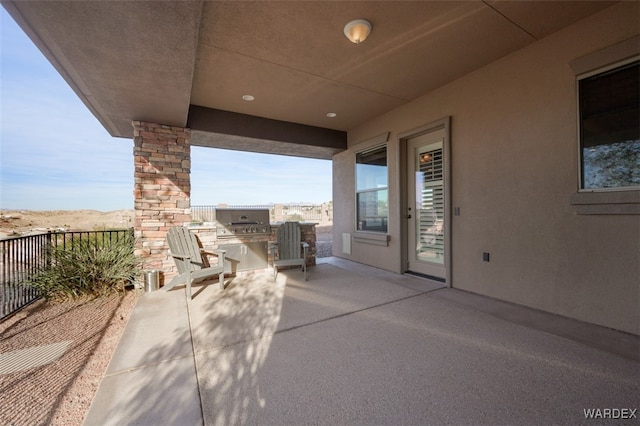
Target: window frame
358	191
607	201
579	78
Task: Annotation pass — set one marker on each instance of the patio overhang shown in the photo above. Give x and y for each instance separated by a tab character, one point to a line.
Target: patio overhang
230	130
189	63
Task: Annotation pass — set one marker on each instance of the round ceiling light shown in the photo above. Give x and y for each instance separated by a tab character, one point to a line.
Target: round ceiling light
248	98
332	114
357	30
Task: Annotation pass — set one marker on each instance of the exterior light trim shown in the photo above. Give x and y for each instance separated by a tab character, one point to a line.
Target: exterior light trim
357	30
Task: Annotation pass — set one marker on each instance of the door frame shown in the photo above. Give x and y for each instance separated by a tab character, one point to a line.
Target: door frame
403	137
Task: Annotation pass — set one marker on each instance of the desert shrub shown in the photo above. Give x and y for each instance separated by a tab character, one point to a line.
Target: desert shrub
91	267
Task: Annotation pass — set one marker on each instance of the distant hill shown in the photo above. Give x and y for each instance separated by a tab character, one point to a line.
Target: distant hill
23	222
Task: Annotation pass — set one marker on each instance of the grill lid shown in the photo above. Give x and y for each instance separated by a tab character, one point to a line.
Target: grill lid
242	221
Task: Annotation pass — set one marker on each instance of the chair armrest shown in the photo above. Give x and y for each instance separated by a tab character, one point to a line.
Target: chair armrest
219	253
179	255
214	252
185	257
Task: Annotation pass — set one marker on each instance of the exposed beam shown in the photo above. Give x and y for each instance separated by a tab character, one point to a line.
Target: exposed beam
229	130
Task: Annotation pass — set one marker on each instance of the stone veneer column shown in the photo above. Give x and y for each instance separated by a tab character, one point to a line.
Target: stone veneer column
162	156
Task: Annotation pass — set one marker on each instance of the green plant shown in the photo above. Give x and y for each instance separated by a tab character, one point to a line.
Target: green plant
88	268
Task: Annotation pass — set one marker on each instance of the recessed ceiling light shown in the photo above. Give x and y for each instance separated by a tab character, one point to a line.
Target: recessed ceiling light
331	114
248	98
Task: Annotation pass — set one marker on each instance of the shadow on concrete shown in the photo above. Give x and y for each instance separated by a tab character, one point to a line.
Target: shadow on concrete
151	378
349	346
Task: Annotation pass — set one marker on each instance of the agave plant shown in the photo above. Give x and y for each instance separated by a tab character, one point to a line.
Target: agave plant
91	267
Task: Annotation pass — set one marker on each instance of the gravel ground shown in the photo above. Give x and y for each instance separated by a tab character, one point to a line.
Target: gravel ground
324	243
324	249
61	392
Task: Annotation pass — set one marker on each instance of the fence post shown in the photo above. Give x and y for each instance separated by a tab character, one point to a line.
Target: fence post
48	249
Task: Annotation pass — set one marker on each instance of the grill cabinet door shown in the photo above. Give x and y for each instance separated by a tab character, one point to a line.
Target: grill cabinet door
244	256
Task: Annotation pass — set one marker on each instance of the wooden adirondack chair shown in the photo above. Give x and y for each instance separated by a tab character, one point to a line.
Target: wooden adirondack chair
289	243
191	260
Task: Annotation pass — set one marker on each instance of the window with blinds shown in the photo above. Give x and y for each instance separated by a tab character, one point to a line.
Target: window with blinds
610	128
430	202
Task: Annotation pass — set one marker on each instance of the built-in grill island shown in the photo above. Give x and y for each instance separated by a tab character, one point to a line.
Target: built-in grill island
244	234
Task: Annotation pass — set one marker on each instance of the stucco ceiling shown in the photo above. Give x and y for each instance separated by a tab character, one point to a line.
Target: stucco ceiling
152	60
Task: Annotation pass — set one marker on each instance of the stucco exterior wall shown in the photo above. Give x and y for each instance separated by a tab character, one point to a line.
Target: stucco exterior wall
514	159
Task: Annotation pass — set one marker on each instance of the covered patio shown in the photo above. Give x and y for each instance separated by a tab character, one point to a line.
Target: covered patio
490	87
358	345
539	271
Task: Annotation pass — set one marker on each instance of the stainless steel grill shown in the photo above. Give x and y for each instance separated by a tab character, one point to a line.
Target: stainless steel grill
233	223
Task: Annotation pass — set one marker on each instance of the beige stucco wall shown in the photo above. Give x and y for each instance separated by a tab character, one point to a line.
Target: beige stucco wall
514	162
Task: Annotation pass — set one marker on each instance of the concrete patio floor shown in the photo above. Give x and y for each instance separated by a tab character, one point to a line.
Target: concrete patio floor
358	345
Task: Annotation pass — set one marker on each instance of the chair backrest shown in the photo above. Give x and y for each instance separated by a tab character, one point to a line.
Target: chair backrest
184	242
289	241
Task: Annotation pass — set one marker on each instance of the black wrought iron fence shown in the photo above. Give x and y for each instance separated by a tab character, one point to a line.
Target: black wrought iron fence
23	257
68	239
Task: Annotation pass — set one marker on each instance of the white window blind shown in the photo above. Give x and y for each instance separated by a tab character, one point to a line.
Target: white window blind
431	203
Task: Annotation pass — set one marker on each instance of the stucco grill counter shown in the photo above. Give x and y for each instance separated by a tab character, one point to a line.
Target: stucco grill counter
244	234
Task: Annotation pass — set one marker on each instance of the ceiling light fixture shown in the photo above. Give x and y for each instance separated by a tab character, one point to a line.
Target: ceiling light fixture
248	98
331	114
357	30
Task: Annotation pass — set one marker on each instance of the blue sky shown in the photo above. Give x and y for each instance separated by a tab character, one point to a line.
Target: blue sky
55	155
